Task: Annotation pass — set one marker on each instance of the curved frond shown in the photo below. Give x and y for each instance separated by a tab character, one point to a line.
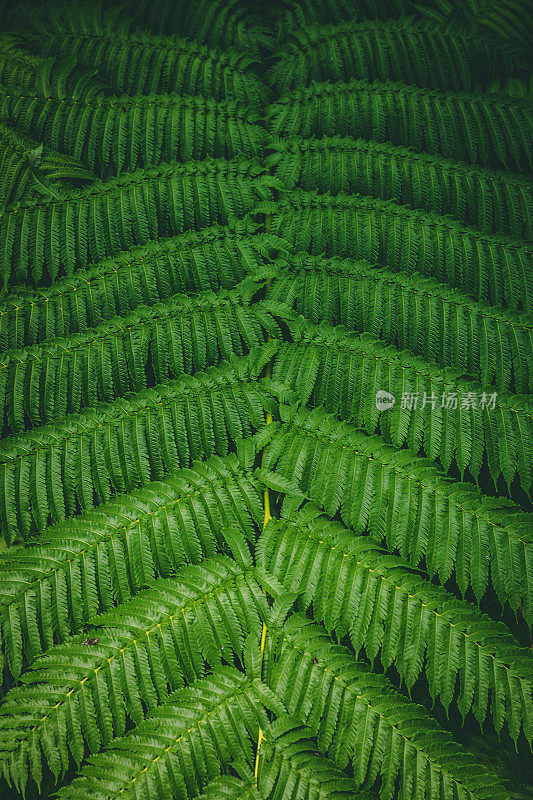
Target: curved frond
83	460
446	415
294	14
181	336
477	128
358	590
217	23
496	202
193	718
195	261
261	384
359	718
492	268
405	49
290	766
119	134
90	224
434	321
63	78
183	745
510	20
138	62
231	789
406	500
84	566
29	169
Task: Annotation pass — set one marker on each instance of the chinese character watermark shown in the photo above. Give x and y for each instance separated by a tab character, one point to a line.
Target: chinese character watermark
450	401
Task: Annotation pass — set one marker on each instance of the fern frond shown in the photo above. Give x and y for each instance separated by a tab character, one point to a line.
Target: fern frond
217	23
116	134
294	14
137	62
358	590
181	336
83	460
496	202
345	373
493	268
406	500
509	20
405	49
21	70
84	566
195	718
117	214
185	744
290	767
231	789
26	166
195	261
359	718
431	319
477	128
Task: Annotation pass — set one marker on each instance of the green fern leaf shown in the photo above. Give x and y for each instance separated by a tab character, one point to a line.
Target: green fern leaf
230	789
182	746
493	345
290	766
87	458
469	127
84	566
357	589
137	62
90	224
408	502
408	50
492	268
297	13
120	134
496	202
223	23
359	718
181	336
45	77
134	654
345	373
23	164
195	261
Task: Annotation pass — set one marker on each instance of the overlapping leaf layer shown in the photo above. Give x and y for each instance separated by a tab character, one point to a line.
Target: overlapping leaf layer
266	365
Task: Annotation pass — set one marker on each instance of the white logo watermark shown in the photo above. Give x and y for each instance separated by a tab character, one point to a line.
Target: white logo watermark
447	400
384	400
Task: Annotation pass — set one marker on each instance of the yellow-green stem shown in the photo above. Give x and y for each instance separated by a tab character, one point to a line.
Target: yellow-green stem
266	519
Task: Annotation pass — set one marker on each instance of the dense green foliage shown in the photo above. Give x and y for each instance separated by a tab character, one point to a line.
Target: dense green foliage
266	362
